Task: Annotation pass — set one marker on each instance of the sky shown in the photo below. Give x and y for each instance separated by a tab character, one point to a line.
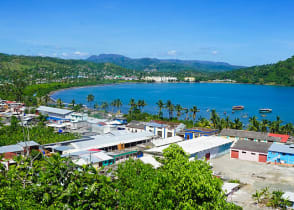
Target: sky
240	32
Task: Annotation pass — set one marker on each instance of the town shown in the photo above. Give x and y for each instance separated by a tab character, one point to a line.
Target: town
247	161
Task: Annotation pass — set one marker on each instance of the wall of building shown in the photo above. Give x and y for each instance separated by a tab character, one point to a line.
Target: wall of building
213	152
248	155
161	132
283	158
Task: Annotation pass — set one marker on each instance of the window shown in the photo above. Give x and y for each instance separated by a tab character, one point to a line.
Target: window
169	134
159	133
252	153
243	152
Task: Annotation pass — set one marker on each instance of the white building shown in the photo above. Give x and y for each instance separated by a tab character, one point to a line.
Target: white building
164	129
204	147
160	79
189	79
54	112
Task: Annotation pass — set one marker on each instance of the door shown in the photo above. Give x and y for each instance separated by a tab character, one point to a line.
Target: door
262	158
207	156
234	154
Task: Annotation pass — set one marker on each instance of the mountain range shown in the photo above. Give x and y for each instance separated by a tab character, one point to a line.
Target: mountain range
162	65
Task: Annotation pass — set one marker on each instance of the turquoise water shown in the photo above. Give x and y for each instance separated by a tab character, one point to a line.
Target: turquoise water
220	97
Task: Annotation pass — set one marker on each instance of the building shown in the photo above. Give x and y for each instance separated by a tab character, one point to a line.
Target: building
136	126
113	141
197	132
167	141
204	147
250	150
281	154
164	129
189	79
250	135
54	112
19	148
78	117
160	79
123	155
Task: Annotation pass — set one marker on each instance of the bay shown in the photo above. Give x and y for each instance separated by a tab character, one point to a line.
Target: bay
206	96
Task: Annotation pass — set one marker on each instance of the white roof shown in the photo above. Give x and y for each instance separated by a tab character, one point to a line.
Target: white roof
54	110
196	145
289	196
121	137
170	140
102	156
17	147
149	159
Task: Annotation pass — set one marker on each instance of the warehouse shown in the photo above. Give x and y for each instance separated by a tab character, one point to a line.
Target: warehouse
250	150
204	147
54	112
281	154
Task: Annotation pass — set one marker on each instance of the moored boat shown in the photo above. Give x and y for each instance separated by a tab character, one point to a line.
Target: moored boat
238	107
265	110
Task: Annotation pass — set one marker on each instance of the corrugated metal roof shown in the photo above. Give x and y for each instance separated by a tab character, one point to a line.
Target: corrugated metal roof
196	145
101	141
249	134
54	110
170	140
17	147
252	146
282	148
28	144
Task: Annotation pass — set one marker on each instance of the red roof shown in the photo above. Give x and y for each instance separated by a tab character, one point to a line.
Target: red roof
102	123
284	138
94	150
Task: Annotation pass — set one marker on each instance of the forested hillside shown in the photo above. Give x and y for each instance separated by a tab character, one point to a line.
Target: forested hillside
162	65
36	69
281	73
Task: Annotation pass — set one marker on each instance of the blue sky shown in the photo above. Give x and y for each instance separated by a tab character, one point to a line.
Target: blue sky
247	32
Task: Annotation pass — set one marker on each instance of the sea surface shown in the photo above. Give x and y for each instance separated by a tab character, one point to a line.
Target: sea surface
206	96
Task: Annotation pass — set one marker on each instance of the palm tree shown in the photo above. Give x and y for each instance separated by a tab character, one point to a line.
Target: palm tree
118	104
59	102
253	124
132	104
194	111
160	105
179	109
113	104
170	107
90	98
46	99
238	124
104	106
264	125
143	104
214	118
186	111
73	102
96	106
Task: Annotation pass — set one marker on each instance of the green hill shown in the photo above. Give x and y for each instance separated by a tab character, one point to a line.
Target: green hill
162	65
35	69
281	73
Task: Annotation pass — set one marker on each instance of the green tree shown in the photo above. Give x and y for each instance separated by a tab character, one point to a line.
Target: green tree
178	109
160	105
90	98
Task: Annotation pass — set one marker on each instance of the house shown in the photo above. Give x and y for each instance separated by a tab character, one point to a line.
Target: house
54	113
204	147
164	129
189	79
250	150
249	135
78	117
123	155
197	132
19	148
136	126
281	154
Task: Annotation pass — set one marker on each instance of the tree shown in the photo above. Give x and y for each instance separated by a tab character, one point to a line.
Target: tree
118	104
46	99
186	111
214	118
90	98
59	103
160	105
170	107
194	111
142	104
104	106
253	124
178	109
73	103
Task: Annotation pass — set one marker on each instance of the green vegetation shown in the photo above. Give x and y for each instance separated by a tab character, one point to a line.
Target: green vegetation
270	199
161	65
281	73
57	183
43	135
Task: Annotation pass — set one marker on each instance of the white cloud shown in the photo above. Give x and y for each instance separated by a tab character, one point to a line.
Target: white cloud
78	53
64	54
214	52
172	52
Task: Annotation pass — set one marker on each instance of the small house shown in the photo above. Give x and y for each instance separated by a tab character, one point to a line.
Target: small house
197	132
164	129
250	150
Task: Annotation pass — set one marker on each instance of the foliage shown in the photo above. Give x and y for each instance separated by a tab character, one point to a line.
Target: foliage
281	73
43	135
57	183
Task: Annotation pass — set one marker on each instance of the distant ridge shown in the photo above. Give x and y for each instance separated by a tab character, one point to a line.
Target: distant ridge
154	64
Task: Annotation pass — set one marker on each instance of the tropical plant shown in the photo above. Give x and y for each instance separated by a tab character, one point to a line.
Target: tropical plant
160	105
178	109
90	98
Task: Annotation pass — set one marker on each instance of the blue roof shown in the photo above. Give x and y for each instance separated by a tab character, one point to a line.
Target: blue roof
282	148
